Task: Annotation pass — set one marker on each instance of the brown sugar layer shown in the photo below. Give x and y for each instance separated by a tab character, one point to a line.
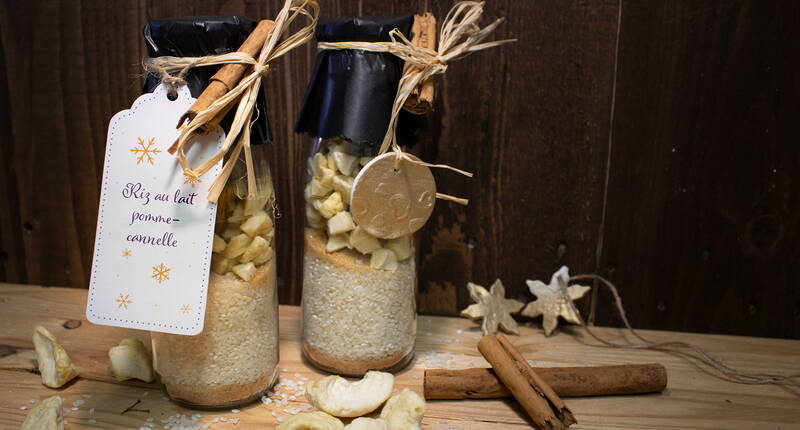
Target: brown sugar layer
236	354
334	363
355	318
221	395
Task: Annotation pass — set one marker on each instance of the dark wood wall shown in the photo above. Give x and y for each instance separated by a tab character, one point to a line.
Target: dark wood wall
651	142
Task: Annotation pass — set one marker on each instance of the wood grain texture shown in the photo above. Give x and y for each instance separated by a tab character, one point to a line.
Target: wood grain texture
693	400
703	212
703	238
531	121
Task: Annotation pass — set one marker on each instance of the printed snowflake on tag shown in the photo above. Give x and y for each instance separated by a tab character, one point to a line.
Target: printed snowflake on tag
185	309
161	273
145	150
126	253
123	301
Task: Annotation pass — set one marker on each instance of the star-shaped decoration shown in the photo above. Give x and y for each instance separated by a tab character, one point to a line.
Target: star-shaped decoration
123	301
554	300
493	307
126	253
185	309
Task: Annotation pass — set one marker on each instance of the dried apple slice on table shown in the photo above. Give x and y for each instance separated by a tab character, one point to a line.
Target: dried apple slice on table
312	421
47	415
130	360
342	398
404	411
366	424
54	363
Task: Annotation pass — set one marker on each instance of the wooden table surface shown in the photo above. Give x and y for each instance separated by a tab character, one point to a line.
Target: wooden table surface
693	399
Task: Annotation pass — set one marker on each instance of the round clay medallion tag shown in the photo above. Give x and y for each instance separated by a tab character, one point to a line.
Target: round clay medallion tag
390	203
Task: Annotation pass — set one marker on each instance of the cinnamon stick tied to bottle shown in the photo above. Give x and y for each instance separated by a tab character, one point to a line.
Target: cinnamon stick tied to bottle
279	41
542	404
482	383
228	76
423	34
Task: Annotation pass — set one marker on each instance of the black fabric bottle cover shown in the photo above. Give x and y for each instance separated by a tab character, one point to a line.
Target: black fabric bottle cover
197	37
351	91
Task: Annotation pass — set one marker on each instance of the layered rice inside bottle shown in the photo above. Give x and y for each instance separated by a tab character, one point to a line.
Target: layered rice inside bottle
234	360
359	305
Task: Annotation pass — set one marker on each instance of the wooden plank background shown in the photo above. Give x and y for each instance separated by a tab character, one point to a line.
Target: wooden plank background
653	143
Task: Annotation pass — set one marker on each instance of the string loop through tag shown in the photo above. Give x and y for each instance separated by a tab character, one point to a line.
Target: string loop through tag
687	350
245	92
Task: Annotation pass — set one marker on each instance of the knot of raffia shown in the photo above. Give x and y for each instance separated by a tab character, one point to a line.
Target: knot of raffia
459	36
172	71
165	67
261	69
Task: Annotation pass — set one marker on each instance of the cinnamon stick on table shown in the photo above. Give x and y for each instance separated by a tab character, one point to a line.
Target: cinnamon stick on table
226	78
542	404
565	381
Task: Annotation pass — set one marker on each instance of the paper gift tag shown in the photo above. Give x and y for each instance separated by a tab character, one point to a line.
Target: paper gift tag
154	228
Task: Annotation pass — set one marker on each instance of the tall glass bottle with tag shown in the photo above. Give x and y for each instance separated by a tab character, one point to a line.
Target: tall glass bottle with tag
234	360
359	291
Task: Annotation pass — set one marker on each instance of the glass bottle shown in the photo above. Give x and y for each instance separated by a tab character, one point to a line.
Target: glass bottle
234	360
359	291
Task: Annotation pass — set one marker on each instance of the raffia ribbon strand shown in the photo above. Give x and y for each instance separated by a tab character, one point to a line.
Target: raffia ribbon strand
460	35
685	349
245	92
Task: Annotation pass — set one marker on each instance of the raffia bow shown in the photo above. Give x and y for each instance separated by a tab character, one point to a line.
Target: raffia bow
460	36
245	92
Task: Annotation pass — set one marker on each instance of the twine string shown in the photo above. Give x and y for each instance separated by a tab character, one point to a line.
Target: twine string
685	349
460	35
245	92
